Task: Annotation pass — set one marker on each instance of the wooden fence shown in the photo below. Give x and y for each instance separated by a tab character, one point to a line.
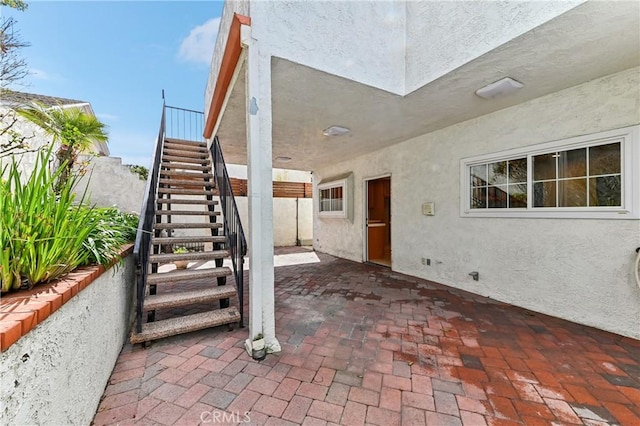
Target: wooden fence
280	189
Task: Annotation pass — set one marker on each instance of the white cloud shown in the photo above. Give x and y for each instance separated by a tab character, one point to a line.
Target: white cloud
199	44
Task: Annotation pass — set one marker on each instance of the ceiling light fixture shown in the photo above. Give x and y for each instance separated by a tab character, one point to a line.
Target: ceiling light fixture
335	131
283	159
498	88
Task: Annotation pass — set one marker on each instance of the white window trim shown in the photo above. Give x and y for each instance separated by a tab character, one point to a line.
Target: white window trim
630	197
340	214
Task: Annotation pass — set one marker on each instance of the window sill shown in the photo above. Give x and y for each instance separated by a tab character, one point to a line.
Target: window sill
553	214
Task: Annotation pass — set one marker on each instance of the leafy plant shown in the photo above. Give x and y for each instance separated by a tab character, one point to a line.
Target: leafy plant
180	250
41	232
73	128
16	4
112	230
141	171
44	234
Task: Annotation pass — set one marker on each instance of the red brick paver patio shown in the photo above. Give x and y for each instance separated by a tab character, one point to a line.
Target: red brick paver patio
364	345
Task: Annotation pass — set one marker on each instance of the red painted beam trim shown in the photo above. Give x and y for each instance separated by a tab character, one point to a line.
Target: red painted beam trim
230	58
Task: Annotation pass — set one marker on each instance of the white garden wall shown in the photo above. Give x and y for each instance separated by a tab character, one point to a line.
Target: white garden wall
110	184
56	374
580	270
285	219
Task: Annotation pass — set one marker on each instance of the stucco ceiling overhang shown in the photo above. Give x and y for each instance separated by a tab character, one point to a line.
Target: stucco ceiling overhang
593	40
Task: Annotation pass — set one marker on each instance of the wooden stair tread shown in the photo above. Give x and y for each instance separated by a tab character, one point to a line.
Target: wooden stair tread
186	201
173	159
187	213
176	166
170	327
188	239
187	274
185	153
187	182
179	225
185	191
186	142
196	255
183	298
185	148
186	175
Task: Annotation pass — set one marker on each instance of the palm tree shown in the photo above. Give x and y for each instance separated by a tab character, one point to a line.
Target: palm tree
72	127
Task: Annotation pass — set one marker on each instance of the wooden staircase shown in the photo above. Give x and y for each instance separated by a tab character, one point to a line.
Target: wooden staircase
186	216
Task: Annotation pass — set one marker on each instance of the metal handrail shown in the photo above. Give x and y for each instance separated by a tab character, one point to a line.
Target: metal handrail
236	241
184	124
145	226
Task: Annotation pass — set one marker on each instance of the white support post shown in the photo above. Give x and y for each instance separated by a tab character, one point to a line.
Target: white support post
260	175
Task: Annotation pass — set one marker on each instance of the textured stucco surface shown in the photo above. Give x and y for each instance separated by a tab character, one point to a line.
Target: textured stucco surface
56	374
443	35
284	219
590	41
580	270
337	37
411	43
109	183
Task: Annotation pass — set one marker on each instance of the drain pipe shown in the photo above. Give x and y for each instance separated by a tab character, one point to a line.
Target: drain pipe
298	243
637	268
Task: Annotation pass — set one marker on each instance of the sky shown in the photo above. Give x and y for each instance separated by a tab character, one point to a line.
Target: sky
119	56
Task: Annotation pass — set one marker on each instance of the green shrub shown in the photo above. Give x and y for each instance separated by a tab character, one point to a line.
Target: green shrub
112	230
44	233
141	171
41	232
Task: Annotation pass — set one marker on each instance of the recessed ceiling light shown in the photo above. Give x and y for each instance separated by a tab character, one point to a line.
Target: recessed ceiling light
335	131
283	159
501	87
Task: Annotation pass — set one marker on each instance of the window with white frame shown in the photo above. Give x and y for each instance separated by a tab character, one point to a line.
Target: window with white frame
587	176
332	199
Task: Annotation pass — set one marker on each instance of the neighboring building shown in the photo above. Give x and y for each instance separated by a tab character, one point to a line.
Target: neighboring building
10	99
535	193
109	182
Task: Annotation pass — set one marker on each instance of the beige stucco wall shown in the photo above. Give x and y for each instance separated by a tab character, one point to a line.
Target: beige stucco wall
110	184
337	37
70	355
459	31
580	270
284	220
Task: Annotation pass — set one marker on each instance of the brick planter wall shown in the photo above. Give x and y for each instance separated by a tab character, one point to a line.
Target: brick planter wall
60	342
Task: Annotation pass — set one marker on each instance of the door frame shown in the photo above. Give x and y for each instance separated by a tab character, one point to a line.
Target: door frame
365	212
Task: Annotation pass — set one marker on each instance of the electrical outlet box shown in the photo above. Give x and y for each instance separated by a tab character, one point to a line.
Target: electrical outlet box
429	209
426	261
